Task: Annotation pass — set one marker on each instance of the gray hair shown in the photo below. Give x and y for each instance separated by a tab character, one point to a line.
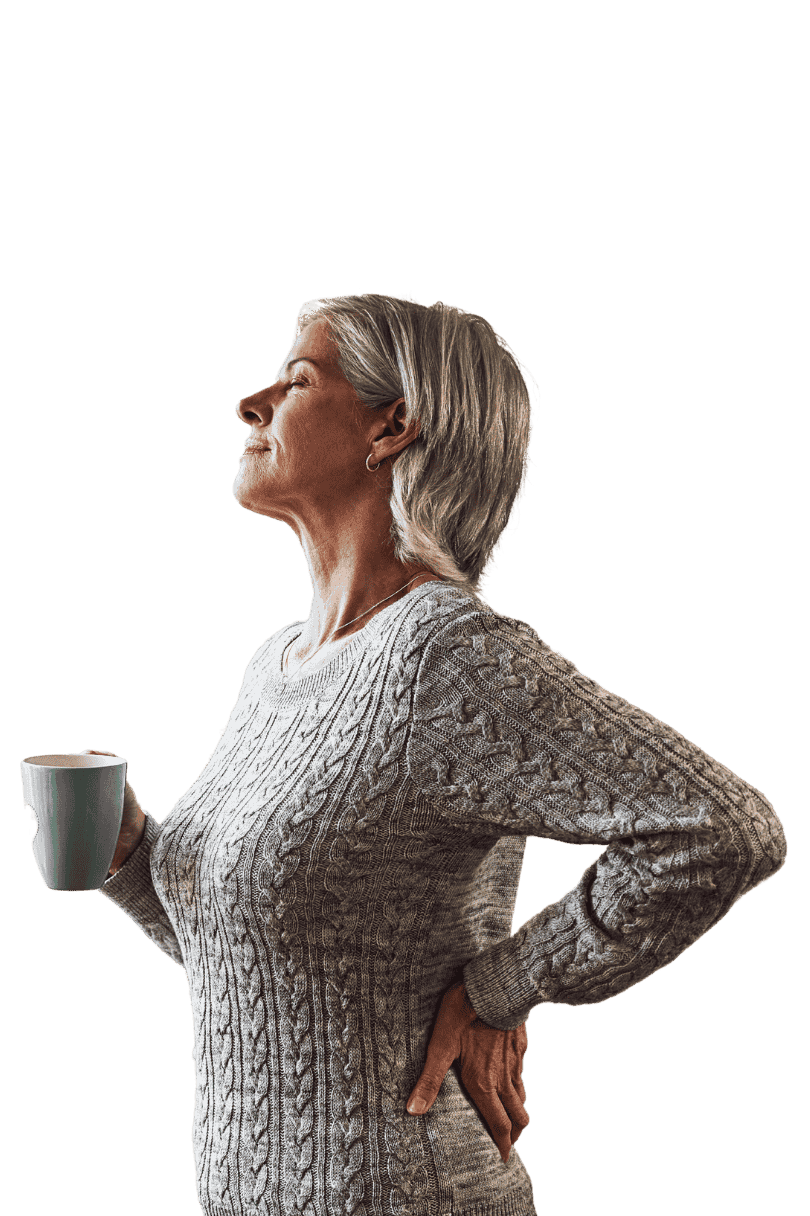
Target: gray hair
454	486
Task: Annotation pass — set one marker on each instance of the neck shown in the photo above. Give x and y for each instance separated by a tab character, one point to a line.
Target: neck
351	573
354	599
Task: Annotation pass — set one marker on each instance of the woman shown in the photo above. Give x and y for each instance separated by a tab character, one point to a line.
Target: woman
339	882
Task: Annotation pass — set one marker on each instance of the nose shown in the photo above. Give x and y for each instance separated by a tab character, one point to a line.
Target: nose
258	408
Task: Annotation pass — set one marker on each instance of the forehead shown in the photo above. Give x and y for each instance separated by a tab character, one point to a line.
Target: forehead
313	341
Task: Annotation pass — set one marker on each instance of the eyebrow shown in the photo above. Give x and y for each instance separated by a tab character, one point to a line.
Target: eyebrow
303	359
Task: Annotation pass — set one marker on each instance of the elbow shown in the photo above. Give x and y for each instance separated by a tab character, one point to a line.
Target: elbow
767	846
780	844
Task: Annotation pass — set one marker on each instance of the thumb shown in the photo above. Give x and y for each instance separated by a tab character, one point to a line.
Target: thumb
455	1014
424	1091
421	1099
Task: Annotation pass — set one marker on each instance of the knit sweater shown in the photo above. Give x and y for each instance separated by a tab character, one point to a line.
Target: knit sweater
353	848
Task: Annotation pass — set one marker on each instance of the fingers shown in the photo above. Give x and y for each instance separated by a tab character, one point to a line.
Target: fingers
491	1066
491	1062
505	1115
131	803
424	1092
518	1115
426	1089
444	1047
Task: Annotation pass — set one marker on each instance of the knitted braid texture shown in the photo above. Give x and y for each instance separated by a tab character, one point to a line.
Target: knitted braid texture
333	871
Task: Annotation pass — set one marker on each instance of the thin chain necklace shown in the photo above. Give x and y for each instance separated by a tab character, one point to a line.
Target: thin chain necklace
285	674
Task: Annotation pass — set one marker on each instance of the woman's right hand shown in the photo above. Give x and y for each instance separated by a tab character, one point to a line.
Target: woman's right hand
133	821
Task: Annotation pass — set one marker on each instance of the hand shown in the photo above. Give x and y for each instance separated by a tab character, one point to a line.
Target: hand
491	1063
133	821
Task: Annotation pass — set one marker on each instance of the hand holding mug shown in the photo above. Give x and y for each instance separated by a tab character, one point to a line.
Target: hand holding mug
133	821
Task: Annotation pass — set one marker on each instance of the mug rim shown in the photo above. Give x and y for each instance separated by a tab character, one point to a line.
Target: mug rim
74	760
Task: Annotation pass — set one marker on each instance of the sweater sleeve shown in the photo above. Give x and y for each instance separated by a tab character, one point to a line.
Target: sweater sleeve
132	889
508	737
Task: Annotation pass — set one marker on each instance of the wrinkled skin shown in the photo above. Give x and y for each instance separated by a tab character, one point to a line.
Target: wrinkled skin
491	1065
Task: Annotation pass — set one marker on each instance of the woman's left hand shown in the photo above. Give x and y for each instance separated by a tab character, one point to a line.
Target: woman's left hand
491	1064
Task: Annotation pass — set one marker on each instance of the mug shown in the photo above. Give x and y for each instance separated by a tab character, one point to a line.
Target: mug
78	802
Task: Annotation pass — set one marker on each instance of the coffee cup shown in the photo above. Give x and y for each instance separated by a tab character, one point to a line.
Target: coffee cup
78	802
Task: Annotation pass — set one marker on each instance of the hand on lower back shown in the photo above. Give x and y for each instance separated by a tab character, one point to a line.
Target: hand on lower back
491	1064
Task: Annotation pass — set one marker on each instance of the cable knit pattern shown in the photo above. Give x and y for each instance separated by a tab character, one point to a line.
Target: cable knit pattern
353	847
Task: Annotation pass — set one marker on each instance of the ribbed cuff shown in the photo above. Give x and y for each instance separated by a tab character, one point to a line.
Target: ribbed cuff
497	984
131	886
133	890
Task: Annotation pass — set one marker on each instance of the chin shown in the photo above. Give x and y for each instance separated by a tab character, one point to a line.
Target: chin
259	506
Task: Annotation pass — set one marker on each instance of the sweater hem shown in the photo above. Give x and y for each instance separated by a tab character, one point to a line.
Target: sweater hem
514	1203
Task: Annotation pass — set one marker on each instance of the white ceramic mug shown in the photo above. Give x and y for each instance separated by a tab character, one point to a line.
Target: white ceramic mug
78	801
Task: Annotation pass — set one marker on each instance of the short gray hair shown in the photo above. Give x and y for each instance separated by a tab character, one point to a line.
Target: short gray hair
454	486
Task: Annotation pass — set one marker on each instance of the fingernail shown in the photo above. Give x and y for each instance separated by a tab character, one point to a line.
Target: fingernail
418	1106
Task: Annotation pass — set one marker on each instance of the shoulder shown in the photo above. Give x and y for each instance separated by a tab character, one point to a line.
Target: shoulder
456	640
454	649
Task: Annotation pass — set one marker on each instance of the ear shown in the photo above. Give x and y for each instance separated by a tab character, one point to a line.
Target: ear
393	432
399	423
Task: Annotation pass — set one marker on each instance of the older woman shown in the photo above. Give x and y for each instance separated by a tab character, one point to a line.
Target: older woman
339	881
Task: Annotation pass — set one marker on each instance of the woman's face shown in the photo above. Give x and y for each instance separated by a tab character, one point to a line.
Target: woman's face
314	431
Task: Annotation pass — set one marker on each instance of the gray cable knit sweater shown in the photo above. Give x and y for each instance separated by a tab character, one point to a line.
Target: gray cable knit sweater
353	847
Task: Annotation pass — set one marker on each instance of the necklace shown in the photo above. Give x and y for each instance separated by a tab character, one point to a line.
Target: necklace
285	675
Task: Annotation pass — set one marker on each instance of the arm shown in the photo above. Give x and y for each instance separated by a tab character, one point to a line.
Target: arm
131	887
127	842
510	737
129	882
